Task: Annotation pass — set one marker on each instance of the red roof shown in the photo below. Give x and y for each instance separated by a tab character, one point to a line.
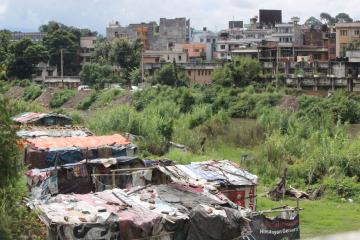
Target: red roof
81	142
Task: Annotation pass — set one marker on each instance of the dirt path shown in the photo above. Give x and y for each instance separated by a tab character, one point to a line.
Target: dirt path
45	98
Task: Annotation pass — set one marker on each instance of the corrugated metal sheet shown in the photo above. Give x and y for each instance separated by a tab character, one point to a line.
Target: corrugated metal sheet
29	117
212	171
80	142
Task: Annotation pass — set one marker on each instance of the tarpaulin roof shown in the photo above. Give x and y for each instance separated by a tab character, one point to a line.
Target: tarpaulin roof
218	172
161	210
80	142
28	117
37	132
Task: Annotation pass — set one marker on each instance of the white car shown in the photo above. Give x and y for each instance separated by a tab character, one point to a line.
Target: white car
84	88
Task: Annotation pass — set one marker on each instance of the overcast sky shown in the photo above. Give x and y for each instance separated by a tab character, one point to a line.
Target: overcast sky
27	15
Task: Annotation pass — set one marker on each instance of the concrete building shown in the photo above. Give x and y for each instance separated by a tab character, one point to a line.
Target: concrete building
87	48
238	41
42	71
198	73
194	51
34	36
115	30
164	57
207	37
330	45
346	33
160	37
288	34
172	31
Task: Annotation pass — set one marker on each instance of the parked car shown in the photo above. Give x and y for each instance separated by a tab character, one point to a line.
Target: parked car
84	88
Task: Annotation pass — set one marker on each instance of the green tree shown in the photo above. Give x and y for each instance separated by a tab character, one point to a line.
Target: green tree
344	17
102	51
23	57
96	74
135	76
327	19
314	23
5	37
126	54
171	75
240	72
12	189
63	40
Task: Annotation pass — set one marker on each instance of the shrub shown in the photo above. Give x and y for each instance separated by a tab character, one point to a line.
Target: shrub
88	101
32	92
61	97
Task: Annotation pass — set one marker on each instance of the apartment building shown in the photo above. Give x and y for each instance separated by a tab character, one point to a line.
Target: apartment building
87	48
346	33
162	37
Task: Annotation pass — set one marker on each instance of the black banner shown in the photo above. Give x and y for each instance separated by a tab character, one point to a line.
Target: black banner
263	228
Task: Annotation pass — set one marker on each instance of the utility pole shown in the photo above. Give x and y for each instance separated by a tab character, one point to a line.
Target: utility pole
142	66
277	67
62	67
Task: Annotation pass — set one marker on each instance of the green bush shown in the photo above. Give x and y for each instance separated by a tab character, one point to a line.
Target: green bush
61	97
88	101
32	92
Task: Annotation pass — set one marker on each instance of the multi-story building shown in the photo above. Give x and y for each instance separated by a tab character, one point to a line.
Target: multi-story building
151	57
172	31
207	37
34	36
155	37
87	47
238	41
194	51
288	34
346	33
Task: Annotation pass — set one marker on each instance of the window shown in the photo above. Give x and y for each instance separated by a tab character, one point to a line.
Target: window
343	32
357	32
196	50
189	72
222	46
179	57
201	40
332	50
208	40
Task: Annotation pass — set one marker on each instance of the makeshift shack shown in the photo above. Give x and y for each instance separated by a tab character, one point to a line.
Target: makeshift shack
53	131
93	175
42	119
48	152
237	184
161	212
164	212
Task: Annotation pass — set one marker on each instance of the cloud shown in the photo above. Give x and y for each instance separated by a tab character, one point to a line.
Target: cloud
27	15
3	8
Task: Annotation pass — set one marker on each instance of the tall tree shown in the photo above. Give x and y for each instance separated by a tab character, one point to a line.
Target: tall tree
126	54
5	36
343	17
240	72
24	55
327	19
313	23
102	51
68	43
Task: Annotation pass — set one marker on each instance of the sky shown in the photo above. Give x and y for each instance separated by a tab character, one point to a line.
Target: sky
28	15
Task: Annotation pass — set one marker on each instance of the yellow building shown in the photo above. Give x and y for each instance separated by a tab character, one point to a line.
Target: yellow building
346	33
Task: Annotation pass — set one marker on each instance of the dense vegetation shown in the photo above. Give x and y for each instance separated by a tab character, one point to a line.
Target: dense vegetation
12	188
312	141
